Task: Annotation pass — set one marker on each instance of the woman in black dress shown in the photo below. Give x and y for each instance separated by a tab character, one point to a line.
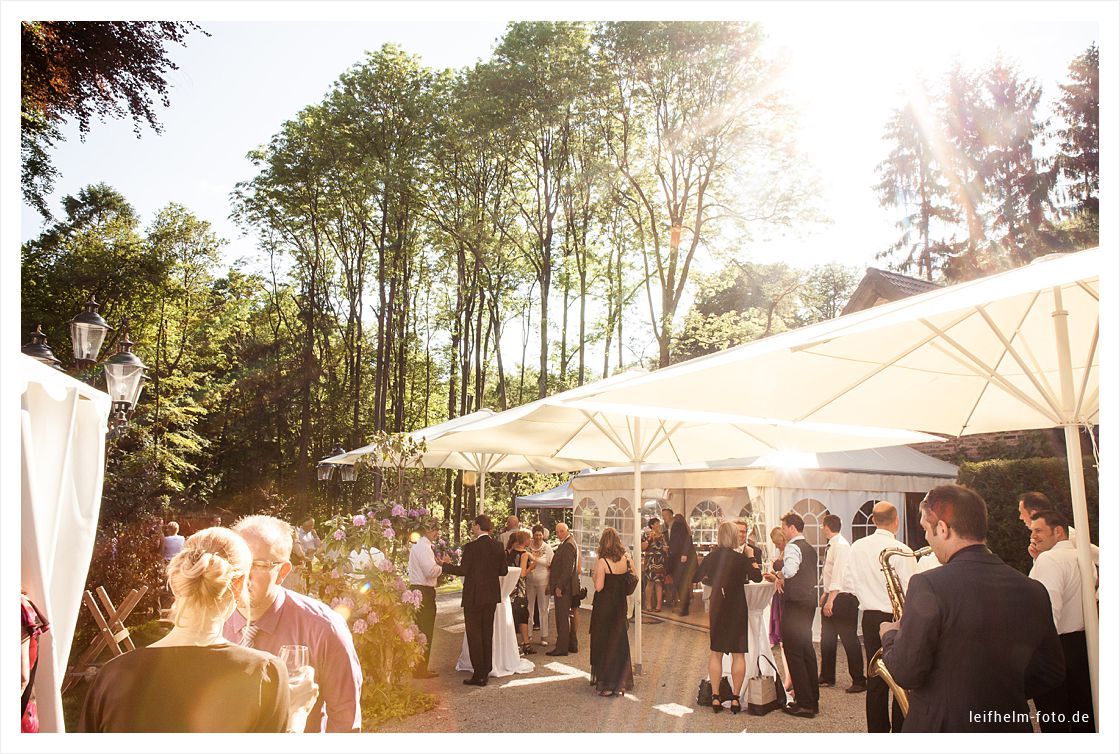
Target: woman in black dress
610	646
727	571
193	680
682	560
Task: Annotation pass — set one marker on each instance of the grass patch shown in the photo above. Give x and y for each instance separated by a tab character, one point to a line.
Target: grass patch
382	703
455	585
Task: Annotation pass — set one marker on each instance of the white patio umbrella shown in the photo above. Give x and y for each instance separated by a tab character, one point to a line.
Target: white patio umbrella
1016	350
437	456
568	425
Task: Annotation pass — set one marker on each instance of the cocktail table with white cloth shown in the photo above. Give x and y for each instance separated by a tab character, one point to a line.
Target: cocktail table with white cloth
758	634
507	659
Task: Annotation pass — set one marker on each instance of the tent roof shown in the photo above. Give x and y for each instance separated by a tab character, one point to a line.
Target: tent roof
557	497
776	470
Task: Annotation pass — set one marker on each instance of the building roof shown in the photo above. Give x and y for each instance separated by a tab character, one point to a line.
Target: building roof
880	286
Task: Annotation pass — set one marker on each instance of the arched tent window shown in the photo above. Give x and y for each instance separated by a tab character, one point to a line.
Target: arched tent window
861	522
585	529
813	511
759	533
621	516
704	522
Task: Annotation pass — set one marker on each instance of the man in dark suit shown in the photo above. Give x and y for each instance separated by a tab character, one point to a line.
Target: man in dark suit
482	566
977	638
563	583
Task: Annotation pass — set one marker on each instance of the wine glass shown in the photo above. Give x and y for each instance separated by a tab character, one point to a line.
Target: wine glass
295	659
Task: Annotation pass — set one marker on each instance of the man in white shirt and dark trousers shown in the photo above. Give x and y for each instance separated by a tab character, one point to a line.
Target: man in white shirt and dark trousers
423	575
1068	708
870	588
798	582
839	609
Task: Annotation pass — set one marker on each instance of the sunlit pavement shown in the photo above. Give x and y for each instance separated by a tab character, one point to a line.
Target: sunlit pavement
557	697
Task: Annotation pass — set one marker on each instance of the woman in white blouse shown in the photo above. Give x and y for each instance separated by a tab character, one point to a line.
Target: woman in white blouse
536	582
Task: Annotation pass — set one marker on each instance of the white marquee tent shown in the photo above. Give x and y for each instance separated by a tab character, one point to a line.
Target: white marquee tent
63	425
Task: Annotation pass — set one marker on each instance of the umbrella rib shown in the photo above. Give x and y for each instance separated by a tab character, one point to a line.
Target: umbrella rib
1095	295
879	368
753	436
609	433
661	437
1044	391
983	370
1088	368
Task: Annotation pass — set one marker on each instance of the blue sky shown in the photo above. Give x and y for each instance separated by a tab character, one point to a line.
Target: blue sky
848	65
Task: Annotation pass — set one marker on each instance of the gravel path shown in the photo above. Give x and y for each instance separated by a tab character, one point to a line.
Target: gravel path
559	698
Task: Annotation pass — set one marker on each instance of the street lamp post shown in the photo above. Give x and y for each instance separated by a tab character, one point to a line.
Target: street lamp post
124	371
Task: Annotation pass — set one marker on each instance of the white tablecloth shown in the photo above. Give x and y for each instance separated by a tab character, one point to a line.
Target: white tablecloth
758	632
507	660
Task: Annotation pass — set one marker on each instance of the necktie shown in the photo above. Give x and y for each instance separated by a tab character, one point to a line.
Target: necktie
248	634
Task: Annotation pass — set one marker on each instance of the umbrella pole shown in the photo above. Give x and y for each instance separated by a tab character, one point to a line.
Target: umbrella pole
638	550
481	491
1084	558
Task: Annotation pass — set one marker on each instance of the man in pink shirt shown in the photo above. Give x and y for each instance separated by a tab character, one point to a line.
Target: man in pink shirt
280	616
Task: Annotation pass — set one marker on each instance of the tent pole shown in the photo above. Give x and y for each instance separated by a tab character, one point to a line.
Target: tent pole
1084	559
1077	498
638	545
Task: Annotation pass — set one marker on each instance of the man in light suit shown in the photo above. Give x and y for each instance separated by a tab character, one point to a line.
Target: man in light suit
482	566
977	638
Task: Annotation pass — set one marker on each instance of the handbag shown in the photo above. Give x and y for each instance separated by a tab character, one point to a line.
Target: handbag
704	693
765	694
631	579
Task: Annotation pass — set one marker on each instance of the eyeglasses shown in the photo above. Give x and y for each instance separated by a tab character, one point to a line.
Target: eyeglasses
266	565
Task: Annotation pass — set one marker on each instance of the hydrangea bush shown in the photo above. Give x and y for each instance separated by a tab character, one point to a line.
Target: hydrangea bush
359	573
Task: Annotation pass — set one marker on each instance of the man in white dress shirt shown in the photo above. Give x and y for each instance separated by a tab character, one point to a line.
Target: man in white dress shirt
1068	708
423	575
839	609
870	588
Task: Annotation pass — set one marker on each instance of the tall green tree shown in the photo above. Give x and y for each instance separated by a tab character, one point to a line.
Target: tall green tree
1079	108
911	179
701	135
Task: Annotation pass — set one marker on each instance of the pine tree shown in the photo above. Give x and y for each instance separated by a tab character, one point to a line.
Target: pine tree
912	178
1079	107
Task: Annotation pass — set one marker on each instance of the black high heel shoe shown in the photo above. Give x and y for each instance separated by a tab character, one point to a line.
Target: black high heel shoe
717	704
736	708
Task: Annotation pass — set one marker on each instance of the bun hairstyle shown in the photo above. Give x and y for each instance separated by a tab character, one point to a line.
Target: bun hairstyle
202	574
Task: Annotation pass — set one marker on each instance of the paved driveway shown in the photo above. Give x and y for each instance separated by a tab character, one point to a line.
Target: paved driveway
556	697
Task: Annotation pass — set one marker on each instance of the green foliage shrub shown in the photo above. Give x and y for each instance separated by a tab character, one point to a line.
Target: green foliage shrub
1000	483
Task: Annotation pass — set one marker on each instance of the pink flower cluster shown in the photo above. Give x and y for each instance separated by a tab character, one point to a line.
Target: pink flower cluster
338	535
359	520
360	626
388	533
398	510
385	565
412	597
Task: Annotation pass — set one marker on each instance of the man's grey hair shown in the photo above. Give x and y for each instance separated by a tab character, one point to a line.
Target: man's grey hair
276	533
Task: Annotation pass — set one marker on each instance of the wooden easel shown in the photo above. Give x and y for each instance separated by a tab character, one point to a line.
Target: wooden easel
111	631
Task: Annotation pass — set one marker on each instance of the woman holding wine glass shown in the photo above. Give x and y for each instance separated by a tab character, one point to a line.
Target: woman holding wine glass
193	680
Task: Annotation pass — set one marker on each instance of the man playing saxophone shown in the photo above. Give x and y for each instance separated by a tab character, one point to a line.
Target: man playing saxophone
977	638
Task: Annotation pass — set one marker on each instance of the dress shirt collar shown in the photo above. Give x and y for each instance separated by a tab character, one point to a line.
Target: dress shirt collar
1064	544
271	618
799	536
885	533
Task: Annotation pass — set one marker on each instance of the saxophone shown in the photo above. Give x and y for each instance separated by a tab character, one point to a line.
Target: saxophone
876	666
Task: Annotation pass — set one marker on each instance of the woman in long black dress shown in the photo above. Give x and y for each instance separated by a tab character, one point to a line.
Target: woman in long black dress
610	646
682	560
727	571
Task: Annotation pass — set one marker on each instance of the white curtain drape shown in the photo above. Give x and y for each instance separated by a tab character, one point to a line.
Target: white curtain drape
63	424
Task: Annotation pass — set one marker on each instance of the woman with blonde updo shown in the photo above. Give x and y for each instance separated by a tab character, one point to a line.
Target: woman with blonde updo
193	680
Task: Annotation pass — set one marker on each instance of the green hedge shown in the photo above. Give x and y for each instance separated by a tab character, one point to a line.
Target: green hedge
1001	481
